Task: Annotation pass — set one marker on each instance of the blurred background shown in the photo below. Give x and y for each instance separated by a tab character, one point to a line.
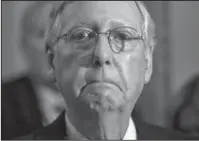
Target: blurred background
176	57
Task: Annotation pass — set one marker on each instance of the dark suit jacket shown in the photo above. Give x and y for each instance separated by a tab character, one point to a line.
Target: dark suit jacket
20	114
57	131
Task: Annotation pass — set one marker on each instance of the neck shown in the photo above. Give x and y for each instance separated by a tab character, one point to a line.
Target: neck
107	127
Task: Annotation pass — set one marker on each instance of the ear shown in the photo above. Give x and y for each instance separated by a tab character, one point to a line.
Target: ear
50	59
148	64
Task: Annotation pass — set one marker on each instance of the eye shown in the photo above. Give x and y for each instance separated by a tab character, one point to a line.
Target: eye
81	35
122	36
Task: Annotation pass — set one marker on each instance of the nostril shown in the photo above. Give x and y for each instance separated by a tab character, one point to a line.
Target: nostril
96	63
107	62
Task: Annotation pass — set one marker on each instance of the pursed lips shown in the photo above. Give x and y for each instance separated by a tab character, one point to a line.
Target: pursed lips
102	82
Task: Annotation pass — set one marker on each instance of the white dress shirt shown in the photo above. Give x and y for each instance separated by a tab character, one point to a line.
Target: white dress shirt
74	134
131	131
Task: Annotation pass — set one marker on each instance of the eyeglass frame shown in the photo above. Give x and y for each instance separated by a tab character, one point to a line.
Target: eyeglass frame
107	34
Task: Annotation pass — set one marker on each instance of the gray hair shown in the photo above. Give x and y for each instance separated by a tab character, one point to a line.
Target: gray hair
54	27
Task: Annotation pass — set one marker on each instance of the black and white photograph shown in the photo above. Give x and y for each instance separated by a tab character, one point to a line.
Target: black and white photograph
100	70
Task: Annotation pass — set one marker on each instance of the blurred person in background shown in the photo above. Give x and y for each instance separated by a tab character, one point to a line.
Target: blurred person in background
30	101
186	117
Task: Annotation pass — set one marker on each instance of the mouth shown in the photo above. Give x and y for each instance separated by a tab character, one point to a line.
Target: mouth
106	96
104	83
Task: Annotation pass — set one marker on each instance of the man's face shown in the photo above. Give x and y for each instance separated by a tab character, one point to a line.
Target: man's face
100	94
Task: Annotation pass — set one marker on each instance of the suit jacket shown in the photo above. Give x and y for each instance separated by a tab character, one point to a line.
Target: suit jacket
57	131
20	114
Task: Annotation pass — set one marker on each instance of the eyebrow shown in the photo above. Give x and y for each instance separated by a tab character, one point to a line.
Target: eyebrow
81	23
118	23
112	24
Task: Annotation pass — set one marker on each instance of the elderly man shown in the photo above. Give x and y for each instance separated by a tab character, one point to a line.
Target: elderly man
100	55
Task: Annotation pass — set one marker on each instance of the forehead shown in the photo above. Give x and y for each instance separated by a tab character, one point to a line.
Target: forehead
102	13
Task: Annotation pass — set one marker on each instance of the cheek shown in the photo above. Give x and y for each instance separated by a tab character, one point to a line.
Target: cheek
70	69
133	71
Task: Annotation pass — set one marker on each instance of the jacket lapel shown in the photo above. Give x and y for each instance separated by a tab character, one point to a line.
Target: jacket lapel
57	131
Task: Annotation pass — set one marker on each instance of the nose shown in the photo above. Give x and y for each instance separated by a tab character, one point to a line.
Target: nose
102	53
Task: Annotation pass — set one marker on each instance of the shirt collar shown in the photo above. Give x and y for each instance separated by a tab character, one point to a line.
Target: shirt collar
131	131
74	134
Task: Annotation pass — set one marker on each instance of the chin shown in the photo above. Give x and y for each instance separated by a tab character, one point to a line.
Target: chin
100	112
102	98
101	124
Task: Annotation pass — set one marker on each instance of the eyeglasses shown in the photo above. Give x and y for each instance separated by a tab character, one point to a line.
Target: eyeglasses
120	39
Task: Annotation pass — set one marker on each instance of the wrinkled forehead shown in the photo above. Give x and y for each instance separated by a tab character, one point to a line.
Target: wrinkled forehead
102	14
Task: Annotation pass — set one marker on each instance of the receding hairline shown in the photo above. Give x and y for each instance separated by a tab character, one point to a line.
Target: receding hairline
60	6
148	25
